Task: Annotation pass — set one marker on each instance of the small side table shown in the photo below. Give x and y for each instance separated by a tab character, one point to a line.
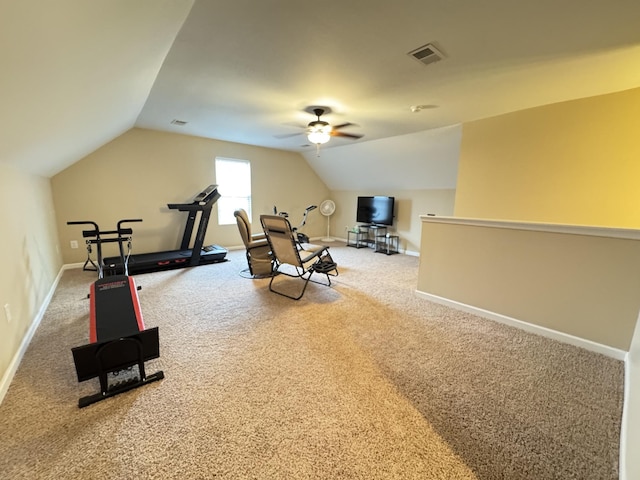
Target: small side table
387	244
357	239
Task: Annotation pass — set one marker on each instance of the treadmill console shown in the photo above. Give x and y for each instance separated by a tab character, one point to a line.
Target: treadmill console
200	198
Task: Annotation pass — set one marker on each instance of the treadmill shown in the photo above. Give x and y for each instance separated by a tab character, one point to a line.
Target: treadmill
185	256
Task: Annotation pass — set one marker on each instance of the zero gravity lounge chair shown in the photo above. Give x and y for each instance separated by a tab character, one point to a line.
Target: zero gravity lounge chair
293	259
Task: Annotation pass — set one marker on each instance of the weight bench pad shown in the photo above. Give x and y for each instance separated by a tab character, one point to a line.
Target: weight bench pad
114	300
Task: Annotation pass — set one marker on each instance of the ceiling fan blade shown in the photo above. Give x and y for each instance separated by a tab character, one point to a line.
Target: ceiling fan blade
343	125
354	136
288	135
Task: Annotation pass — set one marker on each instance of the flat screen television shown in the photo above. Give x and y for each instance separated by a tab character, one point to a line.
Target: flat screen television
376	210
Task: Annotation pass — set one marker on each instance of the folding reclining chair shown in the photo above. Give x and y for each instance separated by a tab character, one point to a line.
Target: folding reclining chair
259	256
293	259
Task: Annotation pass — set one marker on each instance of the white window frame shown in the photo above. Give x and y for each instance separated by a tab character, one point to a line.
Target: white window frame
234	186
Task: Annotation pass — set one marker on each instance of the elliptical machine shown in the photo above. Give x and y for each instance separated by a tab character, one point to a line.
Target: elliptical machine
302	238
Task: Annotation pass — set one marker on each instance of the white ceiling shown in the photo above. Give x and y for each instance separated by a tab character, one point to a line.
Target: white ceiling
82	73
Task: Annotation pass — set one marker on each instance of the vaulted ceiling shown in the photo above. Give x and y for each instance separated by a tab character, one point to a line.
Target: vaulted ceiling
77	74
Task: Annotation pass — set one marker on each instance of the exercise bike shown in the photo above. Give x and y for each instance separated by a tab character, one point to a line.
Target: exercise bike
117	336
301	237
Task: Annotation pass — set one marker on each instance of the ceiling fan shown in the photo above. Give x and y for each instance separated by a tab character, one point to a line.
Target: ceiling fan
319	132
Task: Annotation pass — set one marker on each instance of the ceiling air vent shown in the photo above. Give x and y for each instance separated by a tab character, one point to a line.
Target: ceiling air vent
426	54
180	123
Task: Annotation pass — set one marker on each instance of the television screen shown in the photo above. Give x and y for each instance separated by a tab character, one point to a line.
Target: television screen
375	210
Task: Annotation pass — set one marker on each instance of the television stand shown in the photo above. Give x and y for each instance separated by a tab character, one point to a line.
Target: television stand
365	235
387	244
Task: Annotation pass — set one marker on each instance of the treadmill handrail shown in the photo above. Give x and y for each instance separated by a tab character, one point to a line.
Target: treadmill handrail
185	207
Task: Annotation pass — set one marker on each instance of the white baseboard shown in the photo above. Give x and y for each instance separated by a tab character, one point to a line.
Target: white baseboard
529	327
7	378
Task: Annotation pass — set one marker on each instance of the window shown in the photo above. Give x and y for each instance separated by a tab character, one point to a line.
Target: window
234	185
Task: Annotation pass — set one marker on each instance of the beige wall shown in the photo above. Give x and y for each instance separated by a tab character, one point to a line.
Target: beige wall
28	252
580	283
138	173
570	163
409	205
574	162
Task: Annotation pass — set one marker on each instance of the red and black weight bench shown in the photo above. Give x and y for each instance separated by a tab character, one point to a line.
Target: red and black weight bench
117	336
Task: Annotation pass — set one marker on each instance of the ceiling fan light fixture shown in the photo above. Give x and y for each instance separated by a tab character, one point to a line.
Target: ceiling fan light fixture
319	132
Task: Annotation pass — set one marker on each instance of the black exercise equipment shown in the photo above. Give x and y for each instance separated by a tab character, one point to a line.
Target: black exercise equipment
118	339
89	261
185	256
302	238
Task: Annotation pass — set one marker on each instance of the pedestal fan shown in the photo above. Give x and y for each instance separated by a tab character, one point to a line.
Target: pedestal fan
327	207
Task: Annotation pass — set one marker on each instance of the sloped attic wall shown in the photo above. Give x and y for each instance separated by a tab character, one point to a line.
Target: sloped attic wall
573	162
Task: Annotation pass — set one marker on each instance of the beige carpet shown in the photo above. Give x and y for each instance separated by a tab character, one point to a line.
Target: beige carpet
363	380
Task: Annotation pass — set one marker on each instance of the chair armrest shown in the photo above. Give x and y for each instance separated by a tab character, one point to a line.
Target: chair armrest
257	243
306	255
310	247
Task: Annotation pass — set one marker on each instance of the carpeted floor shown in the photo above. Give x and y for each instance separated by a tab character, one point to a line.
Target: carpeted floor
363	380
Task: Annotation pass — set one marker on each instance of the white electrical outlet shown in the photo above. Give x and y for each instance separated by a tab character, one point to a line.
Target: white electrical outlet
7	312
74	244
